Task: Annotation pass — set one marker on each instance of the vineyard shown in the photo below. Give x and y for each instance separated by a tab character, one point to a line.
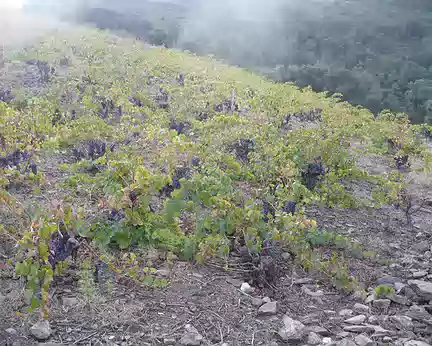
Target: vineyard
144	189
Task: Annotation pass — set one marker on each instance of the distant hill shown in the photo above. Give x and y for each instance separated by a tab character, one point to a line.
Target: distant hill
375	53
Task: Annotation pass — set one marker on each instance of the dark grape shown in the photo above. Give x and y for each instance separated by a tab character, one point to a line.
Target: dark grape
45	70
268	210
312	174
32	62
62	246
181	79
136	101
309	116
96	149
102	149
226	107
182	172
116	215
176	183
179	173
162	99
107	107
196	161
64	62
133	196
34	169
179	127
401	161
6	95
14	159
394	144
242	148
78	154
92	149
202	116
120	111
56	117
290	208
167	190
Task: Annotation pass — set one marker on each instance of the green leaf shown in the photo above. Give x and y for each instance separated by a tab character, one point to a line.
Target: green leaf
35	303
189	249
22	269
148	281
34	270
122	239
173	208
205	198
43	251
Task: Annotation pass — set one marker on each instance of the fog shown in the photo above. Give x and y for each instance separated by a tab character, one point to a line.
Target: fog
11	4
376	53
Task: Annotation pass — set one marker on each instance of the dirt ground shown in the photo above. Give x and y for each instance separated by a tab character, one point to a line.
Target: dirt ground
210	299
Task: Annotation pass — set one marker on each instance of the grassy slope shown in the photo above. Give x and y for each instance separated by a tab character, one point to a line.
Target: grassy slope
222	196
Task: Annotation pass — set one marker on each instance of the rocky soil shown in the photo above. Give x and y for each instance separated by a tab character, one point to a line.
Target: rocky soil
205	305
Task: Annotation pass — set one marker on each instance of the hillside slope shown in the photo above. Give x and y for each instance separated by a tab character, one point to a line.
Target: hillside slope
175	178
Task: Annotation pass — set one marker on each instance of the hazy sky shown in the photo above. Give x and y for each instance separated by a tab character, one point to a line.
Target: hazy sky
11	3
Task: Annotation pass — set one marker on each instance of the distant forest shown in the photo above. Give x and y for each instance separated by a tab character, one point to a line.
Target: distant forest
377	53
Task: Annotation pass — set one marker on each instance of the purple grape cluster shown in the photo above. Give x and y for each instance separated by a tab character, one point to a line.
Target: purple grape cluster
394	144
62	246
313	173
34	168
290	208
203	116
162	99
180	127
116	215
64	62
133	196
78	154
129	140
268	210
167	190
179	173
136	101
57	117
6	95
195	161
107	106
94	150
424	131
181	79
401	161
227	106
427	133
310	116
242	148
45	70
16	159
